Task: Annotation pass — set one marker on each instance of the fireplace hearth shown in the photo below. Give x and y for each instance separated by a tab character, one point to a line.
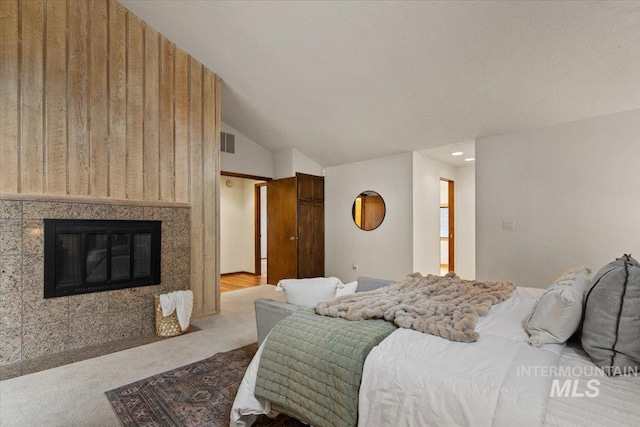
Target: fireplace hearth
84	256
35	327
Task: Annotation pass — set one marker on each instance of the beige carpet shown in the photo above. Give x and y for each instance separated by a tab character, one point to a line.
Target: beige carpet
73	395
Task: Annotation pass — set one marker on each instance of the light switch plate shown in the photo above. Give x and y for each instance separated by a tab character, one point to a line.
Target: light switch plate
509	225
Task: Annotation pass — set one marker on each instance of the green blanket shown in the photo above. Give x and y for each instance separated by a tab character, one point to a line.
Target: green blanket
311	366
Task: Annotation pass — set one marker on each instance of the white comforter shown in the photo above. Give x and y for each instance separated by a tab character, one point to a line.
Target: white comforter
415	379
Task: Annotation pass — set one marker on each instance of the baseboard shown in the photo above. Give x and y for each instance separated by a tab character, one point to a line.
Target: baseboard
239	272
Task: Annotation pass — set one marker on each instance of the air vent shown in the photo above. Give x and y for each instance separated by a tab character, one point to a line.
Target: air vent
227	142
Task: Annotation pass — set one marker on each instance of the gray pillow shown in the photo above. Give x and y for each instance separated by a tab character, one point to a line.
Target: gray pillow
611	326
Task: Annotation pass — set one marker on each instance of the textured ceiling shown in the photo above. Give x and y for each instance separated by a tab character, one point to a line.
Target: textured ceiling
443	152
346	81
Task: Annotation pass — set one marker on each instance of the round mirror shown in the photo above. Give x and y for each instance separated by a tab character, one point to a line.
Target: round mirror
368	210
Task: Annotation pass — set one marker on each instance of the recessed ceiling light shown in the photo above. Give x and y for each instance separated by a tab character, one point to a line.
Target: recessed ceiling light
470	159
457	153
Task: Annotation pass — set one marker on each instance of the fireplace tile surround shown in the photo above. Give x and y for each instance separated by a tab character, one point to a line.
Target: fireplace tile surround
32	327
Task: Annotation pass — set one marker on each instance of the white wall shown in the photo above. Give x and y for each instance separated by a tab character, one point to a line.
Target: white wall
289	161
409	238
465	221
237	224
303	164
385	252
572	190
248	238
283	164
426	211
250	158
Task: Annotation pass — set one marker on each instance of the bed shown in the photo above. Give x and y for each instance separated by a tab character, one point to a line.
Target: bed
415	379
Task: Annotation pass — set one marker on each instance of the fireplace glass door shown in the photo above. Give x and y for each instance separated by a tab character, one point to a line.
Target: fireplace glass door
90	255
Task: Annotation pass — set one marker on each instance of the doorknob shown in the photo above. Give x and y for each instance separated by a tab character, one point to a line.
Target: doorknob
293	238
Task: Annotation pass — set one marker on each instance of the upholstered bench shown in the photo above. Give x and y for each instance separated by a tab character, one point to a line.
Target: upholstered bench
269	311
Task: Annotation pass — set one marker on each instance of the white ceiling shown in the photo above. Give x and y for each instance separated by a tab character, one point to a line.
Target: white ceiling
444	152
346	81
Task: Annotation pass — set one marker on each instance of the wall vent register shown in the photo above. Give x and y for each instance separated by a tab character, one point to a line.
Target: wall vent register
227	142
83	256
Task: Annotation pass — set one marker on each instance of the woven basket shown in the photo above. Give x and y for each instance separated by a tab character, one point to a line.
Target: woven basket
166	326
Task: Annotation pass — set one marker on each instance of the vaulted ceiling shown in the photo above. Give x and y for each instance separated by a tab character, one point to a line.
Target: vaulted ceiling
347	81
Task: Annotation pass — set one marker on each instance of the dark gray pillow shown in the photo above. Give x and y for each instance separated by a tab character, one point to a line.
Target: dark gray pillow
611	326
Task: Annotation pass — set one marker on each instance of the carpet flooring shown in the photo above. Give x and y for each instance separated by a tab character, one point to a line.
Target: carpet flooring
73	395
198	394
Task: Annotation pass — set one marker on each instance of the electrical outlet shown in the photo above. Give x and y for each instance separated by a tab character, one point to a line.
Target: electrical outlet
355	267
509	225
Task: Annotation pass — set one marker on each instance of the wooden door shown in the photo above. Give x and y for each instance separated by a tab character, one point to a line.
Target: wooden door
310	226
318	240
282	245
311	239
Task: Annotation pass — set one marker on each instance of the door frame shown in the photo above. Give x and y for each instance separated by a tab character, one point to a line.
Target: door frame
451	205
256	202
257	227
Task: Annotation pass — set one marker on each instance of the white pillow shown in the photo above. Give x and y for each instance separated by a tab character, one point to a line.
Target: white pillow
346	289
308	292
557	314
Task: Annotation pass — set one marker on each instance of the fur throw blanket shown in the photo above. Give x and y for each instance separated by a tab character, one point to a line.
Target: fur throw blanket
444	306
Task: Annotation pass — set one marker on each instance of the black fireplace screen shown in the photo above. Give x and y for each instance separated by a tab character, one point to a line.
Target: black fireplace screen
82	256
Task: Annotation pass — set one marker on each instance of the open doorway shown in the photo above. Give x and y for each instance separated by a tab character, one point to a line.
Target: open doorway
447	226
241	225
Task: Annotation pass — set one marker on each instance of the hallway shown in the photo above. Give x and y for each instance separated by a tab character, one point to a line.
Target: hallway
235	281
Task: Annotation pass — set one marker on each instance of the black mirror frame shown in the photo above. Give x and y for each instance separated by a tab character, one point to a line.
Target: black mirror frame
353	209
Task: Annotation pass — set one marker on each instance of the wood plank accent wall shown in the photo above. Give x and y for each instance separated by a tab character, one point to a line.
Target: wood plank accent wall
96	104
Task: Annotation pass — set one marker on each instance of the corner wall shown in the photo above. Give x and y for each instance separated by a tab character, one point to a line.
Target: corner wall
409	237
571	190
385	252
426	211
289	161
250	158
465	217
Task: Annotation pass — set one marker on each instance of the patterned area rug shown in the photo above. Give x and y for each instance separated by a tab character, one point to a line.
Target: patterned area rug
199	394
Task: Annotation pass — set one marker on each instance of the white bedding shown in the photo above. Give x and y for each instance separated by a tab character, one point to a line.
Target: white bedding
415	379
617	402
246	406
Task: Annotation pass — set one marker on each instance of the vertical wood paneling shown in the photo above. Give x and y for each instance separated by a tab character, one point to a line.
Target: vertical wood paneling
78	173
98	99
181	120
151	99
135	111
56	98
197	207
9	90
167	53
216	186
117	100
94	103
210	191
32	135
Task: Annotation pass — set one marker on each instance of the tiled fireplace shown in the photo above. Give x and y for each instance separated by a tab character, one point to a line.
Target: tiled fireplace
32	327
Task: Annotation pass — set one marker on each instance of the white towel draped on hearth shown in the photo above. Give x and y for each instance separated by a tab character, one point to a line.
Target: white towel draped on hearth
181	302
